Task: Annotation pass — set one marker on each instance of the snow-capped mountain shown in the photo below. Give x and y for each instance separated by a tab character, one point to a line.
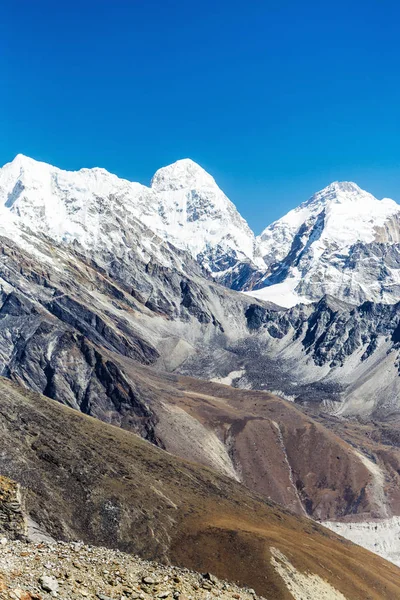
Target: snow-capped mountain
196	215
184	206
342	242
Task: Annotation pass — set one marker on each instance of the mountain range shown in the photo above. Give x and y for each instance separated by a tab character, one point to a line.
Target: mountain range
333	261
341	242
271	360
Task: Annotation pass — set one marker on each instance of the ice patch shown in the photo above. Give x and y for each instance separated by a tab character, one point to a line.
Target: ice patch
229	379
282	294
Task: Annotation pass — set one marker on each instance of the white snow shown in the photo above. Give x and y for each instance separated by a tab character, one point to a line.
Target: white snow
284	294
351	214
228	380
197	215
184	206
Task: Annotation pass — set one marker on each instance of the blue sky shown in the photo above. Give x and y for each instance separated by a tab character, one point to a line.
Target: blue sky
275	99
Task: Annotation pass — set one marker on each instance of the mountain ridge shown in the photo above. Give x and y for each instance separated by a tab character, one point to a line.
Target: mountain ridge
318	340
69	206
332	243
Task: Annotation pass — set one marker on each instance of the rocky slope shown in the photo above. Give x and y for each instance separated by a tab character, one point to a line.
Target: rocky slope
261	441
74	571
274	449
106	486
341	358
77	330
77	334
61	310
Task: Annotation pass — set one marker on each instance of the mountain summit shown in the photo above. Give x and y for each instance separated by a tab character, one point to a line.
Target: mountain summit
182	174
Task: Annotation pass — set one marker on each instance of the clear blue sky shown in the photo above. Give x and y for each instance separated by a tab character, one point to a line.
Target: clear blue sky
275	99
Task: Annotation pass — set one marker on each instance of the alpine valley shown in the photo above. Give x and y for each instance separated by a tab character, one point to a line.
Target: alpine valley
262	372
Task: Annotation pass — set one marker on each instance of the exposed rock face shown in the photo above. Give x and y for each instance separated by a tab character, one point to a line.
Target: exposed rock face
337	346
328	354
331	331
66	316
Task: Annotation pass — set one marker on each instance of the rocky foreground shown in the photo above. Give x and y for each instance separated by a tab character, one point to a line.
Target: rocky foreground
76	571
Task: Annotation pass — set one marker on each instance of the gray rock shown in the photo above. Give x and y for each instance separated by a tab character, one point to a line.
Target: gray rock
211	578
48	583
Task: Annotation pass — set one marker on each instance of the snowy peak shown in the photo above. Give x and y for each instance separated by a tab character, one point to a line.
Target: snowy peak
25	164
350	214
22	171
182	174
337	191
328	246
348	187
343	192
31	175
197	215
65	205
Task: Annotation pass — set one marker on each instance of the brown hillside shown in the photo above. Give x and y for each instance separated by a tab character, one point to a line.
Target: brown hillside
91	481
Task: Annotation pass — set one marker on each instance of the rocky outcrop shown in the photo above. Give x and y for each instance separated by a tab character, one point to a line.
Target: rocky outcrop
61	330
13	524
329	354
